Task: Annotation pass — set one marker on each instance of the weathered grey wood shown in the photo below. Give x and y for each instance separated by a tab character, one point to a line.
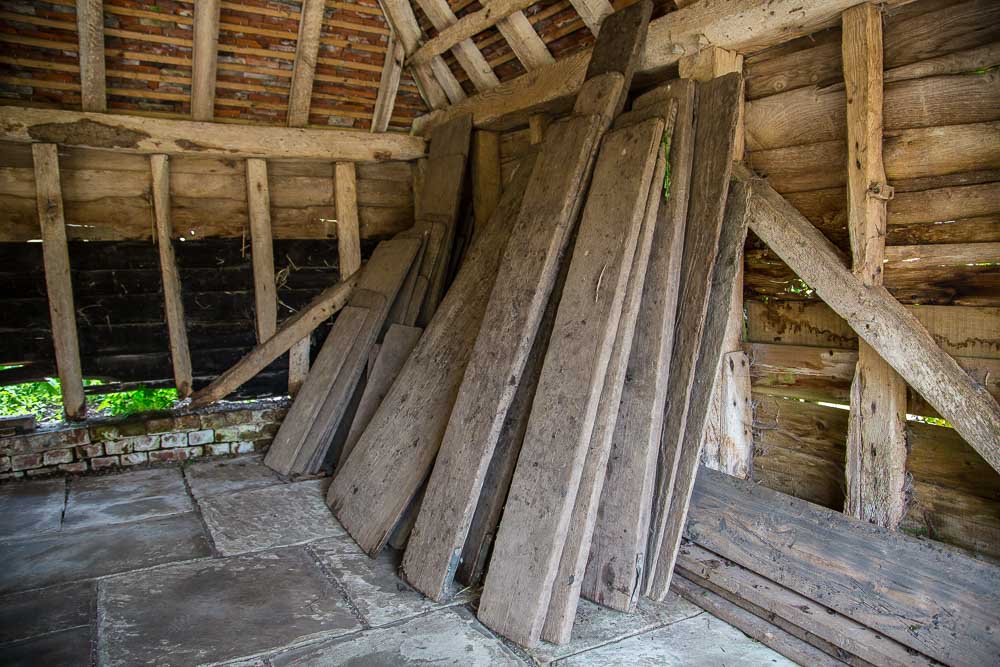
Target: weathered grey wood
763	597
173	306
540	233
90	29
487	183
544	488
617	561
396	347
304	70
715	132
924	595
566	588
204	59
301	444
262	249
391	460
392	70
754	626
58	279
881	321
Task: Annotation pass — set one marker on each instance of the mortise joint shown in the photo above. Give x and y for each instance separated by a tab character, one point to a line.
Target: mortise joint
882	191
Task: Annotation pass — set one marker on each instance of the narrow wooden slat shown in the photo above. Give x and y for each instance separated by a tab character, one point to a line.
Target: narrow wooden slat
299	358
617	563
529	48
204	58
348	230
878	319
922	594
392	70
90	30
304	70
173	304
593	12
470	25
58	284
262	249
487	181
715	133
466	53
876	442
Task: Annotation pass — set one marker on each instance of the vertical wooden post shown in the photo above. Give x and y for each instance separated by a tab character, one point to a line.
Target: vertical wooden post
265	294
90	29
173	305
536	128
876	440
348	228
388	86
486	183
304	71
204	58
58	283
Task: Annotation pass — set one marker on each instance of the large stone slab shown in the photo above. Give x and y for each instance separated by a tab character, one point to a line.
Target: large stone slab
69	648
372	585
85	554
266	518
31	508
130	496
702	640
447	637
215	477
209	611
597	626
24	615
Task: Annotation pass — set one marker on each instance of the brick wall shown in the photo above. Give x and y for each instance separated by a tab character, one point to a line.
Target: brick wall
116	443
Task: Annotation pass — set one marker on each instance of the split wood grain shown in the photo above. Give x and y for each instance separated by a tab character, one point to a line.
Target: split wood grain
924	595
391	460
304	69
388	86
566	589
204	59
58	280
544	489
348	229
617	563
715	132
173	305
262	249
90	30
878	319
539	235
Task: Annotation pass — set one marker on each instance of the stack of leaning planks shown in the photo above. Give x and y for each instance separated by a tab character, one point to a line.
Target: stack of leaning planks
540	436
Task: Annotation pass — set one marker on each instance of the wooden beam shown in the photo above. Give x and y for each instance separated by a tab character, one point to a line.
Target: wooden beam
262	249
138	134
291	331
388	86
878	318
536	128
743	26
467	27
306	52
58	283
204	56
90	30
876	437
435	81
466	52
173	309
487	182
593	12
529	48
348	230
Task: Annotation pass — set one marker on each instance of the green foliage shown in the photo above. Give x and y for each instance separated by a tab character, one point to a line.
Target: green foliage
137	400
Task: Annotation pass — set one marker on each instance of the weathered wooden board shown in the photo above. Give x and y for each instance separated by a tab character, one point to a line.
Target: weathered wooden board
544	488
301	444
925	596
715	132
524	282
616	566
396	347
394	454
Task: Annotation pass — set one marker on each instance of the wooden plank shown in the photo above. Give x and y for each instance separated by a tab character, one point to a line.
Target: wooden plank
486	180
204	59
391	460
388	86
291	331
593	12
299	358
302	443
924	595
525	279
58	281
617	564
466	53
727	443
139	134
403	22
304	70
173	308
90	30
565	594
395	349
348	230
752	625
713	148
876	443
878	319
262	249
529	48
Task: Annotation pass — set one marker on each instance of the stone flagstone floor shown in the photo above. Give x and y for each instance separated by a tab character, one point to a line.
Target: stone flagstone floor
221	562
